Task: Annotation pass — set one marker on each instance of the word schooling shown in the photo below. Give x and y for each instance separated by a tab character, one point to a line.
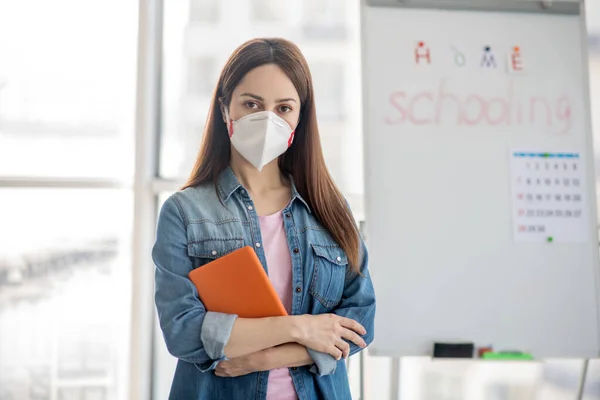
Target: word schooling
487	60
446	106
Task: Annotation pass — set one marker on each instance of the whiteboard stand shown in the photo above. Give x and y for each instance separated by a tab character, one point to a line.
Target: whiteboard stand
361	374
361	366
584	370
395	379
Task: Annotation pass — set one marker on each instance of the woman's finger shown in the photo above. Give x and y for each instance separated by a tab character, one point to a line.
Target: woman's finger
353	325
344	347
335	352
354	338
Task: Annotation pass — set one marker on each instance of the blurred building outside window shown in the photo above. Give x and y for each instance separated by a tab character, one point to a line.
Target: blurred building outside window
267	10
66	162
204	11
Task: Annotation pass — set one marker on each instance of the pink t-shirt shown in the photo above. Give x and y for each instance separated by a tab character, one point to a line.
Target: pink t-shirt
279	262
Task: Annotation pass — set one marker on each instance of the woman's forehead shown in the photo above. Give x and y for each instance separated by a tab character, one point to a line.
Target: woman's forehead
268	82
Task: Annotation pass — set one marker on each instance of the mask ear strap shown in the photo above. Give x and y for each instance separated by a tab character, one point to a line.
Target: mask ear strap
226	114
291	139
229	123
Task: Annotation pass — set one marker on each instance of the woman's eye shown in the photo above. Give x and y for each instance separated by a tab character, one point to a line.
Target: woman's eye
251	104
285	109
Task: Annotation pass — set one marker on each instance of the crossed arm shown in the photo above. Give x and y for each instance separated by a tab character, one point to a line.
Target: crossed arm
285	356
207	339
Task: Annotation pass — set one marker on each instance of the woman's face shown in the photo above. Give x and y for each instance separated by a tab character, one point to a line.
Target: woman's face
266	88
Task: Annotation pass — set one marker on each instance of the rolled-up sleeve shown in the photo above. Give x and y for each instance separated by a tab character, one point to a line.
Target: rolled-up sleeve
358	303
191	333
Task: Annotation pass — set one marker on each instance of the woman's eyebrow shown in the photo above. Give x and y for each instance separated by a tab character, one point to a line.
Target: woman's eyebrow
254	96
257	97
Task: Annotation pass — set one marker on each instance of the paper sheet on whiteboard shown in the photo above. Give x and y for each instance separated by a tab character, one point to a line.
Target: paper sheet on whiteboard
548	196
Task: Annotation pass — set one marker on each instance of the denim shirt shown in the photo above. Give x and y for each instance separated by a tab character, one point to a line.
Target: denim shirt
200	224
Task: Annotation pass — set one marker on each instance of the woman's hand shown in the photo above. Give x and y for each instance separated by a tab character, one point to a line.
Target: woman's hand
240	366
326	333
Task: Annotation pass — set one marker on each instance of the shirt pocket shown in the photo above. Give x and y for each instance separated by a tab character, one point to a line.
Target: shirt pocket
329	274
207	250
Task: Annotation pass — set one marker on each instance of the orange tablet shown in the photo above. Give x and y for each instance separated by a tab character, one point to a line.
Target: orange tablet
237	284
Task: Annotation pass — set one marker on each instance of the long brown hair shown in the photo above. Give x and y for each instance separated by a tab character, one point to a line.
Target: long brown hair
304	160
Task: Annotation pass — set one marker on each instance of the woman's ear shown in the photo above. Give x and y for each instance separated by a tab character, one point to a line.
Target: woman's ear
222	107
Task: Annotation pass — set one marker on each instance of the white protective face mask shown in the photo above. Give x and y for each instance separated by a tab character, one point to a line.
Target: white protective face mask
260	137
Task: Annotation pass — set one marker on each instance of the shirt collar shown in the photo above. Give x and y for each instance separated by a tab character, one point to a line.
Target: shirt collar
228	183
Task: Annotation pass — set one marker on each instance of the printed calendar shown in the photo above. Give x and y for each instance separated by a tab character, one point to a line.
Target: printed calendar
548	197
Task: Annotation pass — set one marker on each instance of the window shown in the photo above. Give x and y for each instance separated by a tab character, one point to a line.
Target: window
268	10
328	81
202	76
61	97
325	19
64	302
91	393
204	11
66	161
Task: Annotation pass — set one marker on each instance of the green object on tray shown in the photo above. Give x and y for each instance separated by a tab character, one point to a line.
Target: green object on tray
507	356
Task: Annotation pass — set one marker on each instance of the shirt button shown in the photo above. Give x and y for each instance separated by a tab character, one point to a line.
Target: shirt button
214	252
288	215
339	259
294	368
250	208
298	289
296	250
257	244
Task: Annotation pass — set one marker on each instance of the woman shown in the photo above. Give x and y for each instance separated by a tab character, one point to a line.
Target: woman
260	180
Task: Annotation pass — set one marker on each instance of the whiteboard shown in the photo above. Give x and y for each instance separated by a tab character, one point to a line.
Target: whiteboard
440	132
